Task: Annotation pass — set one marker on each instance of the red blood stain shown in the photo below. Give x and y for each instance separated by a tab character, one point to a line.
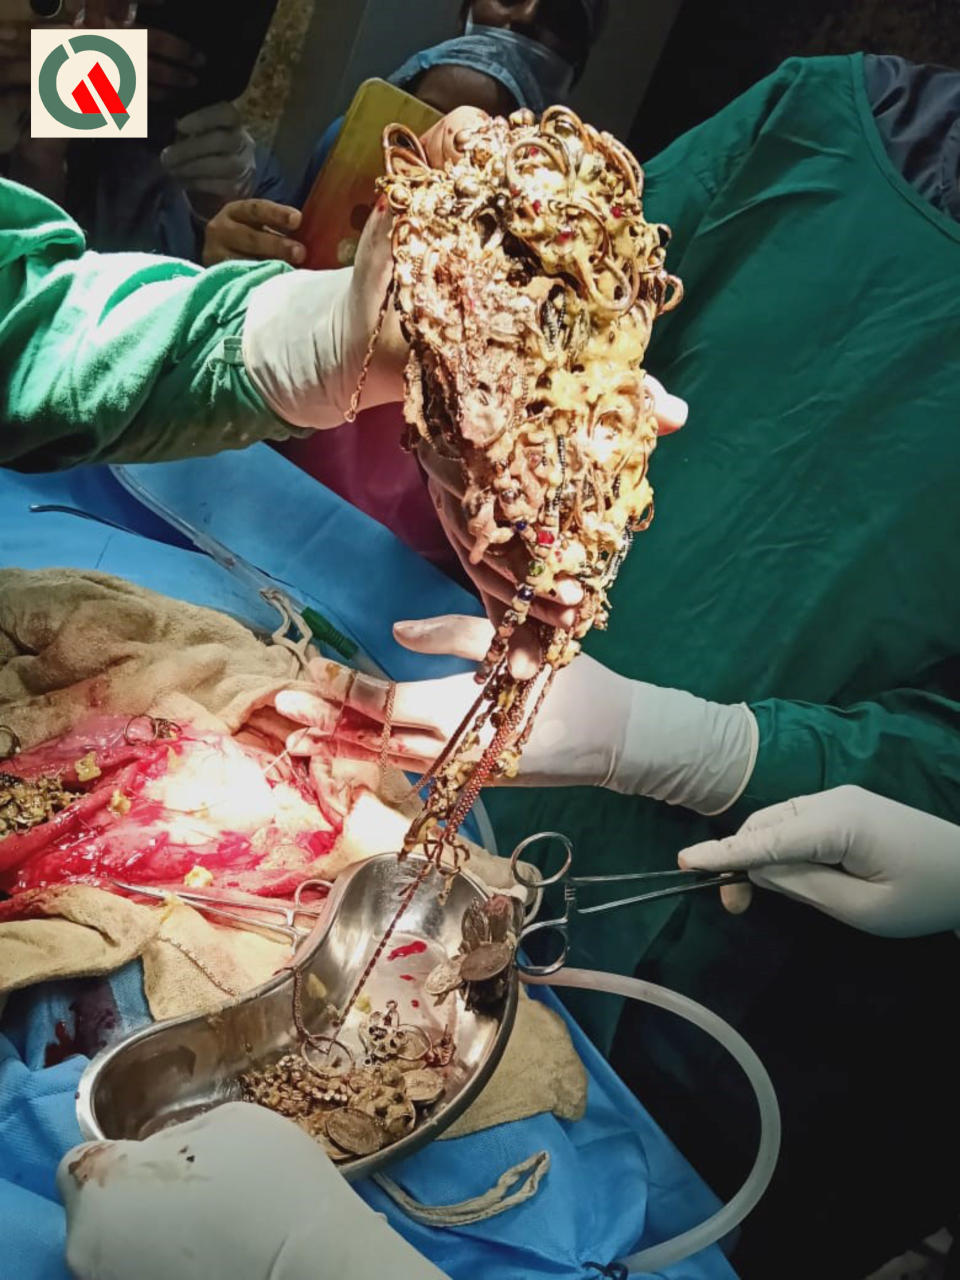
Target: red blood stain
320	843
406	977
63	1047
410	949
414	1004
95	1018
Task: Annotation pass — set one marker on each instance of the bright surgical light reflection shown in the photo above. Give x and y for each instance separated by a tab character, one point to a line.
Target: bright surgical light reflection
217	786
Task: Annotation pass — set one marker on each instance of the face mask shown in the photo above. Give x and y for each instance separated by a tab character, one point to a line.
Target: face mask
553	73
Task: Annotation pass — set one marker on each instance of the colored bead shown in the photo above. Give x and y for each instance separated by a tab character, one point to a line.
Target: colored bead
525	592
616	210
536	568
545	538
537	206
520	525
565	235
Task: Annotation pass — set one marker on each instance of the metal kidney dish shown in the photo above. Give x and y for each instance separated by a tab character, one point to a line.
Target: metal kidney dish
172	1071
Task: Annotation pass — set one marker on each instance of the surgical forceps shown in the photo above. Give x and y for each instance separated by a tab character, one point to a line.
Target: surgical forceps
219	904
572	884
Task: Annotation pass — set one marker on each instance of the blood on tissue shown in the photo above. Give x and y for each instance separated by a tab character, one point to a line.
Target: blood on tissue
89	842
95	1017
318	843
64	1046
110	749
36	904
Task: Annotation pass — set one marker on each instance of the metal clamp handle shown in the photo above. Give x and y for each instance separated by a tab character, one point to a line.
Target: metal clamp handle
558	927
541	882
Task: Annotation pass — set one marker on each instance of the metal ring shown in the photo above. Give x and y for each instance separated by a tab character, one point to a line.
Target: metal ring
315	883
554	966
407	1028
314	1042
9	742
136	739
46	8
542	881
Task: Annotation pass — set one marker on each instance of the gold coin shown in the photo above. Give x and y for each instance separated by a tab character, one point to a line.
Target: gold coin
485	961
354	1131
423	1086
444	978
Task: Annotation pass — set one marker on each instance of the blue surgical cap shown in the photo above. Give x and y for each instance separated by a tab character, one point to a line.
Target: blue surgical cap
533	75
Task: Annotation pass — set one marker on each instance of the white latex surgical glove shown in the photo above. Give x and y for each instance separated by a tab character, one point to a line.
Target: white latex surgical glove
596	728
237	1194
307	333
868	861
213	157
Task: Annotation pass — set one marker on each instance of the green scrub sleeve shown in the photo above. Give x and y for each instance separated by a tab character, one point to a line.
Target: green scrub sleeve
682	180
118	357
905	745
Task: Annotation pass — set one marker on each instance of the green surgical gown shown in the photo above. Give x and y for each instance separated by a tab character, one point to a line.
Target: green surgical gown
117	357
805	559
805	555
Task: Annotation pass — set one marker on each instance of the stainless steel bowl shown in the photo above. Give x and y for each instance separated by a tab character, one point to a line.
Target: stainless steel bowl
174	1070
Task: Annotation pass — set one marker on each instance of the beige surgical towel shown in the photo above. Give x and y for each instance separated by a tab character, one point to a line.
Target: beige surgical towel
73	931
539	1071
72	643
78	931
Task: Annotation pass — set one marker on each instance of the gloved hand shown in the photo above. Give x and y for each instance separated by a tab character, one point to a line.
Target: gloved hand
252	229
307	333
868	861
213	157
596	728
327	727
238	1194
496	576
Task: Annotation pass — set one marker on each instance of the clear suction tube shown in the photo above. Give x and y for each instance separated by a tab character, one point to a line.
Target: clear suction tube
733	1213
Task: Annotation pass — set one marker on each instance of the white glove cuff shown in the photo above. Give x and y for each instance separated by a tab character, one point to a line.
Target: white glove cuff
295	346
685	751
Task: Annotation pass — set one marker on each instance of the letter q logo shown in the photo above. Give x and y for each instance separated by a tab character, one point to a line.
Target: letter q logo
89	85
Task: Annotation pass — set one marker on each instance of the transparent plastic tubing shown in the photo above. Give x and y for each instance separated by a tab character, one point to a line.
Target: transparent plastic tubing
733	1213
